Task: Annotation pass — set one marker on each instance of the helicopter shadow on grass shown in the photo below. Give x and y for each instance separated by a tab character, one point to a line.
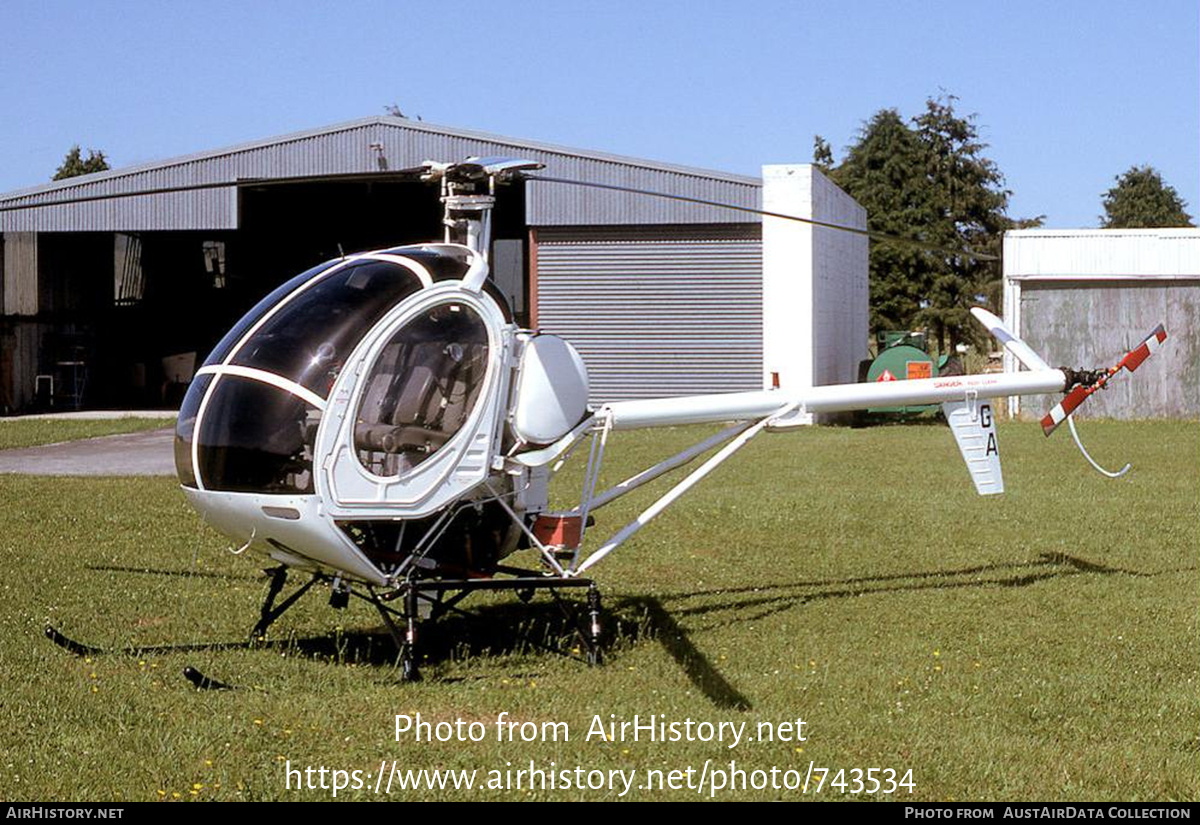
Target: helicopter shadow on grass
539	628
554	626
753	603
672	620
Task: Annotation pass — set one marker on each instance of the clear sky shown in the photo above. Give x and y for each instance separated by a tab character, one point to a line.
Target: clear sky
1068	93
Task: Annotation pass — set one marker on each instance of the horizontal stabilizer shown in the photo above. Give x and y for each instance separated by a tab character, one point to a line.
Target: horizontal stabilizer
974	428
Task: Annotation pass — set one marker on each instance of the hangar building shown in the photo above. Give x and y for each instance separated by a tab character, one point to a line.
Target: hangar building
1084	297
113	302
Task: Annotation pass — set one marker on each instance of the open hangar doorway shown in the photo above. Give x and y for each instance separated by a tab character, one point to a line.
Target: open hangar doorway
136	313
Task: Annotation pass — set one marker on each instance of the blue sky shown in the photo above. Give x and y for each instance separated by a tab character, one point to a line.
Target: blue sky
1068	94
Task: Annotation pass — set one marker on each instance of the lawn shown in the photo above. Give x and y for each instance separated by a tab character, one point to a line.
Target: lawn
1041	645
31	432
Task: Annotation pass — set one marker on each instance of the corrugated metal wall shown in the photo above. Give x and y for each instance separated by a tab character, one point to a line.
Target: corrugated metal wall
1102	253
347	148
655	311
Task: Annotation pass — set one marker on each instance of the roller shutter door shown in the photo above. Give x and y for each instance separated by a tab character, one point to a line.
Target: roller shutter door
655	312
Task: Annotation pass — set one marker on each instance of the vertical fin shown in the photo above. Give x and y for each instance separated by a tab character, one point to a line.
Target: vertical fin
1022	351
974	427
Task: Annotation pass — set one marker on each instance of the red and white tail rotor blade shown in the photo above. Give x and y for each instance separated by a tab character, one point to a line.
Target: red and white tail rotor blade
1132	360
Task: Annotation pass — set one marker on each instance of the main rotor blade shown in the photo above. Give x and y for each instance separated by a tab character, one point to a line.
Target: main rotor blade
854	230
344	177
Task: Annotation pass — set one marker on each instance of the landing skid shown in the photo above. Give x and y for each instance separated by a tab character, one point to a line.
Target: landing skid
190	673
439	596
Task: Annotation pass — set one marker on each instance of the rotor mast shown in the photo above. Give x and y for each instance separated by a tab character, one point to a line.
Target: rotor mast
469	195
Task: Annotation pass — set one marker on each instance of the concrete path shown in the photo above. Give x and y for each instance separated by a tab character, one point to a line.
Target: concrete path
149	453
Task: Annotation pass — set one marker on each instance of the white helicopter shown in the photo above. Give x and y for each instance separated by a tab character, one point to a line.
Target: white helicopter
381	424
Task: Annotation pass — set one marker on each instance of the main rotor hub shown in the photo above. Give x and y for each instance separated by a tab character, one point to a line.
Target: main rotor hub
469	195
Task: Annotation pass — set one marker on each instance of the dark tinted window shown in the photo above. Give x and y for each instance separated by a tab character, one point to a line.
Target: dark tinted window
255	438
450	263
443	263
184	427
421	389
309	338
260	309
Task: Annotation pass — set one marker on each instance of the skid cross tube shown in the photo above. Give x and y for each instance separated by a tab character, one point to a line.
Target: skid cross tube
412	590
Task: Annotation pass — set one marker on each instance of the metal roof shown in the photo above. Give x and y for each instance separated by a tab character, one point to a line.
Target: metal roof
1100	254
346	148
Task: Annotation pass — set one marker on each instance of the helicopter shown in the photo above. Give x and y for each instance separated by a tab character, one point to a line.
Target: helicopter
381	424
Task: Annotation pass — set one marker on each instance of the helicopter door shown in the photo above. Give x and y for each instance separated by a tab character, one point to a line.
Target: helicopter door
415	417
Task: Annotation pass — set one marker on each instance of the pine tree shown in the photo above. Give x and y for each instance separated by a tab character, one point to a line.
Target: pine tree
884	170
927	179
74	164
1142	200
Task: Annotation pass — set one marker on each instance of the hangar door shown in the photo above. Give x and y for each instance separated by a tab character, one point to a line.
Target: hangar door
655	311
1092	323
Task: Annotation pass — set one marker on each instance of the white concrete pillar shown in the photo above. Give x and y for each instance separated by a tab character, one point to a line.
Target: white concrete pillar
787	278
815	290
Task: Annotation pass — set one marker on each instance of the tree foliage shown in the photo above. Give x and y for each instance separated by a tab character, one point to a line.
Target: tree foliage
74	164
928	179
1140	200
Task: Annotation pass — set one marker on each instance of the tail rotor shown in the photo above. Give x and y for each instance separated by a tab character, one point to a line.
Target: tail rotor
1083	383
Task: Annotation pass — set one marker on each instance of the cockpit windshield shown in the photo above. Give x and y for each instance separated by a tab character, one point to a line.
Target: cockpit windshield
422	389
308	339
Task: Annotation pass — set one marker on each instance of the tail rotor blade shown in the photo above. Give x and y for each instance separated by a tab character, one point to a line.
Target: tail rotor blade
1134	358
1063	409
1098	380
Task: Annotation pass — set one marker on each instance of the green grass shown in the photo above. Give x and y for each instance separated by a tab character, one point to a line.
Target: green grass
1041	645
32	432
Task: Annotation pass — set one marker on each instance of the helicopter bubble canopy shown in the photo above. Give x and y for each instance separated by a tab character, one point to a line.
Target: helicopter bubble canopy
250	420
361	393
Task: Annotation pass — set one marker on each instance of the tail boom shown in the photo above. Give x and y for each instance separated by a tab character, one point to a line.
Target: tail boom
696	409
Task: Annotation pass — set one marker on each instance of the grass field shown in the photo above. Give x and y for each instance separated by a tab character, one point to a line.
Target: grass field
1041	645
31	432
